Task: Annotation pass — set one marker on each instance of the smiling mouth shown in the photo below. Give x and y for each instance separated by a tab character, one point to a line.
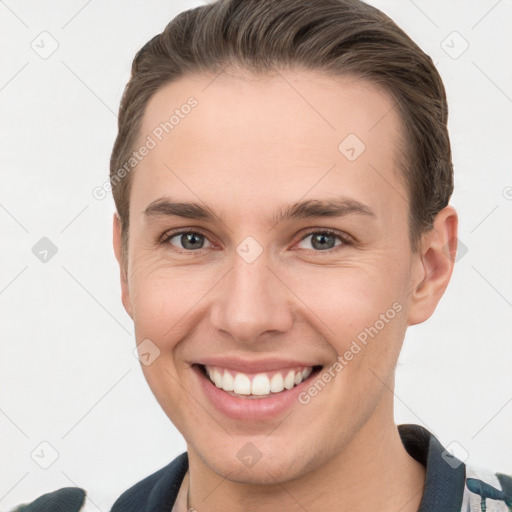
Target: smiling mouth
257	385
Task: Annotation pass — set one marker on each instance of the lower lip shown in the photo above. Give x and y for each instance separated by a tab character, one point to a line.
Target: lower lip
251	409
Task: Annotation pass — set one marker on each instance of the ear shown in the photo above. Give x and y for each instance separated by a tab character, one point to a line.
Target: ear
123	264
433	265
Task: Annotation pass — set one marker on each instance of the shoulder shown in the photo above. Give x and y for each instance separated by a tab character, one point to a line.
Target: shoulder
158	491
67	499
451	483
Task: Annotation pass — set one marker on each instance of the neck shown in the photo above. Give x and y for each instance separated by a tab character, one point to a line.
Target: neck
374	472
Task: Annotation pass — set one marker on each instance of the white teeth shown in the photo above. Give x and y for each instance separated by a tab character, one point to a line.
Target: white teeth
289	380
306	373
260	385
217	378
242	384
277	383
228	382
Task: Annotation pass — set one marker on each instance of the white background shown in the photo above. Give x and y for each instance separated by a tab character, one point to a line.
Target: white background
69	376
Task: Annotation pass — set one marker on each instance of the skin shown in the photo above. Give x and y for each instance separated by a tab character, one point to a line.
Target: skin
250	147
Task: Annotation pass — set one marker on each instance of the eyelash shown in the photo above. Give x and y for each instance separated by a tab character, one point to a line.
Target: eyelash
345	239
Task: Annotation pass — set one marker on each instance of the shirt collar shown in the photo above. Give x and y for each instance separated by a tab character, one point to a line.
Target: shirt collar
445	474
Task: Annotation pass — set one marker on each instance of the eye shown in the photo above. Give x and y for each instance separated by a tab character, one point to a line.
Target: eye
319	241
324	240
188	240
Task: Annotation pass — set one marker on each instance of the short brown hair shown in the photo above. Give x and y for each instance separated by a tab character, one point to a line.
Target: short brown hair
336	37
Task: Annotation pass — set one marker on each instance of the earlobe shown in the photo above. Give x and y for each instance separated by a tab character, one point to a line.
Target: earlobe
121	260
436	258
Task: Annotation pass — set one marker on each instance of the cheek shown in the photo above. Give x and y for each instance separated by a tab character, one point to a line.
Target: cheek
351	297
360	310
163	297
165	304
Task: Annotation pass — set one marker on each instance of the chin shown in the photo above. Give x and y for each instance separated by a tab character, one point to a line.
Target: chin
272	463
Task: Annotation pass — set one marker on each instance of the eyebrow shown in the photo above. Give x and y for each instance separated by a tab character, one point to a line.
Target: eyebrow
311	208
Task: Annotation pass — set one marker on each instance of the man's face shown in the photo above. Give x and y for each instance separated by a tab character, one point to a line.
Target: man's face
249	291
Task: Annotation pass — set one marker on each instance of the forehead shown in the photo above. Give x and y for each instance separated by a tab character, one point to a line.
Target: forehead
272	138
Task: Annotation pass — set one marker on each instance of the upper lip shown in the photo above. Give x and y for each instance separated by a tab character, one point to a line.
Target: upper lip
254	365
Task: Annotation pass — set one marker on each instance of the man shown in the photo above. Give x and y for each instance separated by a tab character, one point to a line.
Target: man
282	177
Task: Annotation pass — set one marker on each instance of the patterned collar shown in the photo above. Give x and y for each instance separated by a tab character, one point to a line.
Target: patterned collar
445	475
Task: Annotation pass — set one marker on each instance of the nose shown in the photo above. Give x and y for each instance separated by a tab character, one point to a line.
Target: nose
252	301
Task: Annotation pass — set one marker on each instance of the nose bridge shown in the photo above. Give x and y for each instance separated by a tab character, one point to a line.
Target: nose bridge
251	300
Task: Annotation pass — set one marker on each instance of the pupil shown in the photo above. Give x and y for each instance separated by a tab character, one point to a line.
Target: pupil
189	239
